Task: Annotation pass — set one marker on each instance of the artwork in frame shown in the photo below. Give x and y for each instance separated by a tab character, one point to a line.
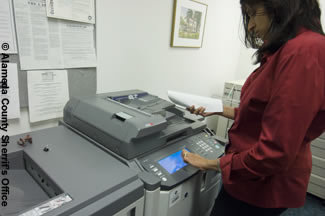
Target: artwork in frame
188	23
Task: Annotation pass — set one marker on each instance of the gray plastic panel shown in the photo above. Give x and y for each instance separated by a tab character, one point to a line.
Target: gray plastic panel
322	136
24	189
319	152
320	162
80	169
151	182
316	170
320	143
316	190
319	182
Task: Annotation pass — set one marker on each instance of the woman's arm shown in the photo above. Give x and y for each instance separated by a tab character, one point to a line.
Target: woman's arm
228	112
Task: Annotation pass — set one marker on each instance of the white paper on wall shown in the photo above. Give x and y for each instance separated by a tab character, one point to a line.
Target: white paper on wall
7	28
78	48
48	92
46	43
11	98
76	10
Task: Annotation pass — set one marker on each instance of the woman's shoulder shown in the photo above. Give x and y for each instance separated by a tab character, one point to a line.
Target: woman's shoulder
306	43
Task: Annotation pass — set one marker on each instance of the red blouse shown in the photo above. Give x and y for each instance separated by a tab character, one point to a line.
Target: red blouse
282	109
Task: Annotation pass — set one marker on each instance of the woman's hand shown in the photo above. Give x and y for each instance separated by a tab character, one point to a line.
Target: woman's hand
200	111
200	162
228	112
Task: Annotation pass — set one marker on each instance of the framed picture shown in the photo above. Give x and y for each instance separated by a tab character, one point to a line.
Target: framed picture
188	23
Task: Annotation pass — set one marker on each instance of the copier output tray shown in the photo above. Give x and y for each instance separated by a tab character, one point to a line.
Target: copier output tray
28	185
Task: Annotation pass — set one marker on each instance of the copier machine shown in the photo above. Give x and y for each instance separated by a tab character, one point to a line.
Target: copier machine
147	134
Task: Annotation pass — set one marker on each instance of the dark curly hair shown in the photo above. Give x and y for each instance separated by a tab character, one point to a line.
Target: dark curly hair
287	17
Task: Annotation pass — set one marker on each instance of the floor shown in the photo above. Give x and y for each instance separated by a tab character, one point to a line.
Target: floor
314	206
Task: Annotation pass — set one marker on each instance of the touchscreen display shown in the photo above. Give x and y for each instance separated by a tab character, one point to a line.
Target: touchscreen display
173	162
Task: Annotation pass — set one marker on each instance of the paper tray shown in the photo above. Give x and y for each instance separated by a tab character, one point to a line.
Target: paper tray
25	193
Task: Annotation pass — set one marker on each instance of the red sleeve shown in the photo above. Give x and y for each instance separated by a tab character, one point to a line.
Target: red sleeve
296	97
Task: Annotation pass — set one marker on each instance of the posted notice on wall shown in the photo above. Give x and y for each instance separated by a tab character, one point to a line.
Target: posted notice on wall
46	43
75	10
7	28
48	92
11	97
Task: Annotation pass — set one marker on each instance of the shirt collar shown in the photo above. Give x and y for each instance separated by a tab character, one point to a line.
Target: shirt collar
301	30
267	55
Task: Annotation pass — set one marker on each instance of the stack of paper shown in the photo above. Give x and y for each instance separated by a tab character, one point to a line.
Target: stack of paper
187	100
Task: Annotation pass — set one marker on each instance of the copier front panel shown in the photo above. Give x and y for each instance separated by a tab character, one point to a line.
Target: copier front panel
168	165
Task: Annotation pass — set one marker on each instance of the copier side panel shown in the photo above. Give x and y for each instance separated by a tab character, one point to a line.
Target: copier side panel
60	159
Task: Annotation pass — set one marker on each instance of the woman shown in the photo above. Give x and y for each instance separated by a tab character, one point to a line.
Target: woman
267	163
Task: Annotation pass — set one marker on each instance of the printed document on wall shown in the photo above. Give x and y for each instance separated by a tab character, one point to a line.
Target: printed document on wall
11	96
48	92
78	49
46	43
7	28
76	10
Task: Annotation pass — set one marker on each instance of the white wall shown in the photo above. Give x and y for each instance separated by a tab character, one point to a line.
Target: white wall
322	6
133	48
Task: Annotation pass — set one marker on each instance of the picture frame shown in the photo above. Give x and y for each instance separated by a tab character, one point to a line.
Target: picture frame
188	23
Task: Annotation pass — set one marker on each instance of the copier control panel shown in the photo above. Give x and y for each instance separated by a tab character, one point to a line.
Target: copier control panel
168	164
